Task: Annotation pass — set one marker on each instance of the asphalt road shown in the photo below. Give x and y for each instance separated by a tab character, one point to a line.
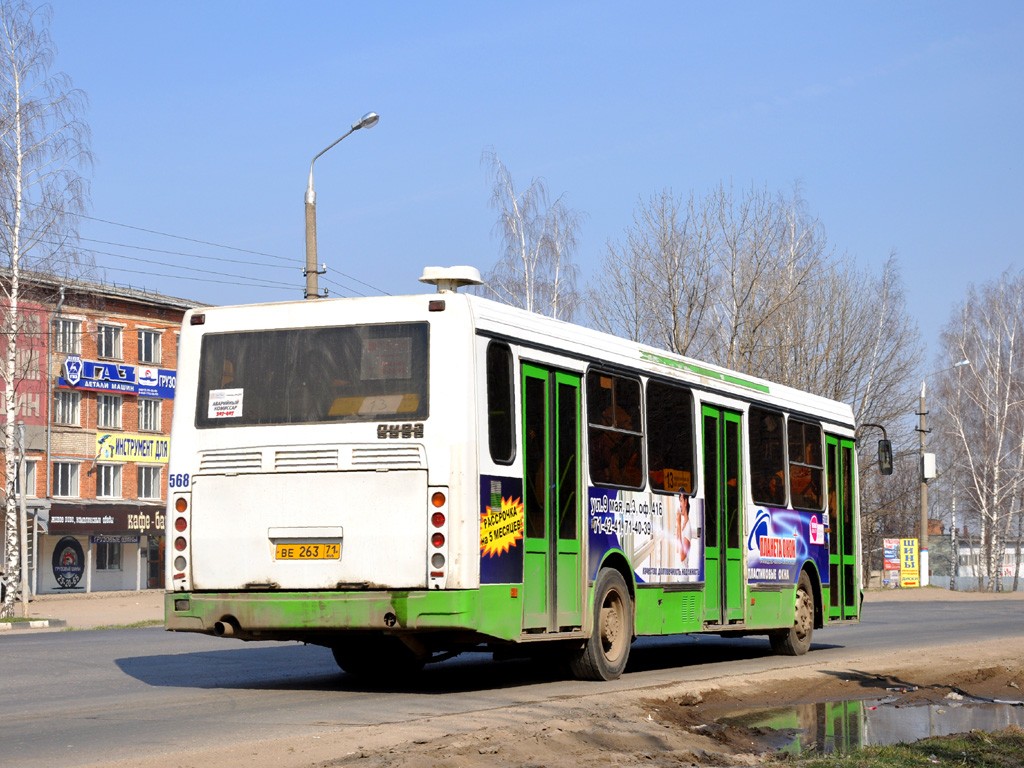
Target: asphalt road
81	698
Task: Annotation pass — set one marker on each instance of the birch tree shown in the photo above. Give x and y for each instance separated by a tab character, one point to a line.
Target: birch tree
44	146
982	411
539	238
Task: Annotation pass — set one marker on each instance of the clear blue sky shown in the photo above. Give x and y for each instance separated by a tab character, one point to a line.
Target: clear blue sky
902	121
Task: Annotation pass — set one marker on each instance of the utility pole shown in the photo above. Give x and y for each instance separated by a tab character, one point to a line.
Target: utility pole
923	543
927	473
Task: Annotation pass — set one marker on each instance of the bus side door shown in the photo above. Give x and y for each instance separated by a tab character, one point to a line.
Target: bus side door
723	518
552	579
844	599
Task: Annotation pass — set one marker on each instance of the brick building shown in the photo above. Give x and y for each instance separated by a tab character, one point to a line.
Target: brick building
96	458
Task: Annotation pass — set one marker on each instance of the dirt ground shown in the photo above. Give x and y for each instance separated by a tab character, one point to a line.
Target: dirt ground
667	726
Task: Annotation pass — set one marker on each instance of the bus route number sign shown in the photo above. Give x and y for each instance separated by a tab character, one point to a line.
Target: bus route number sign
396	431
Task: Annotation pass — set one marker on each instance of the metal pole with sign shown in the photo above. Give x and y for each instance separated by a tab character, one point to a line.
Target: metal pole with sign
23	520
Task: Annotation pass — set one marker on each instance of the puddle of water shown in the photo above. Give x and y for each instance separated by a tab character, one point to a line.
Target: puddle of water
844	726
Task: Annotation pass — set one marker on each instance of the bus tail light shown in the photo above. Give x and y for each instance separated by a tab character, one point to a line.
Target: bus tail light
437	554
179	533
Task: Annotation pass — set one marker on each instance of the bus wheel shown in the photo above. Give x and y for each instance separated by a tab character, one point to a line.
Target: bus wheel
381	658
796	640
606	652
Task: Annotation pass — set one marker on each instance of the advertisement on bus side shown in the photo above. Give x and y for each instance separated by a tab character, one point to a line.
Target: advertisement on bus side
658	533
502	526
779	541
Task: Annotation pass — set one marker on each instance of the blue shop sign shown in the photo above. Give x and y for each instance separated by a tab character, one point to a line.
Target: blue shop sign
117	377
157	382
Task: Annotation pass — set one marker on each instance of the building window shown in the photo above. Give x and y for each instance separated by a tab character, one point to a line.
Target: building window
108	556
149	482
149	414
65	407
30	479
149	346
108	411
108	481
108	341
67	336
65	479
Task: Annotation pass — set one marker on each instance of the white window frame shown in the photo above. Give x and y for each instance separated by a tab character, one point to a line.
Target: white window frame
74	490
30	479
149	414
155	345
116	341
108	481
154	483
108	556
67	336
69	401
107	402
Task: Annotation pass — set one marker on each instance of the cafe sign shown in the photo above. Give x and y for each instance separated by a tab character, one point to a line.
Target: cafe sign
106	519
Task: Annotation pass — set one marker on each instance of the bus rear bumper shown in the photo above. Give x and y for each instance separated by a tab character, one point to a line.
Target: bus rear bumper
263	615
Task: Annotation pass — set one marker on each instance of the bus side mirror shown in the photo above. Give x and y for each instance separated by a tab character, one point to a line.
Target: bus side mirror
885	457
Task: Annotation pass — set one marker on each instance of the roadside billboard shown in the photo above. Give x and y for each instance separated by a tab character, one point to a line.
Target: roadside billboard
910	575
891	561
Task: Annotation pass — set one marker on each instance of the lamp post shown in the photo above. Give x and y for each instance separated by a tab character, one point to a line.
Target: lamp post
926	474
311	273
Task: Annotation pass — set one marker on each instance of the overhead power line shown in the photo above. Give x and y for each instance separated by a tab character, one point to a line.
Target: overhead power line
213	245
188	239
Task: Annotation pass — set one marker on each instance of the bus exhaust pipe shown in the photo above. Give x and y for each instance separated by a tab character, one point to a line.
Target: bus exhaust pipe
226	628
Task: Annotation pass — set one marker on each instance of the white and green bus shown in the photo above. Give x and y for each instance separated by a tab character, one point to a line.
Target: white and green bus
405	478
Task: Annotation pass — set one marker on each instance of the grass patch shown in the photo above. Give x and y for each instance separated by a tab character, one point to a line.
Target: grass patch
133	625
16	620
1002	749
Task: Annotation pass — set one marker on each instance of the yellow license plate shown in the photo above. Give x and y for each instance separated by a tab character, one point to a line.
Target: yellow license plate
308	552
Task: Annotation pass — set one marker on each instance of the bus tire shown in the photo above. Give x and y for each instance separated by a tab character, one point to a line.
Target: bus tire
796	640
379	658
605	654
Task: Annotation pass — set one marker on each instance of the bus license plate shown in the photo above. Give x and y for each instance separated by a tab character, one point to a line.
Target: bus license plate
308	552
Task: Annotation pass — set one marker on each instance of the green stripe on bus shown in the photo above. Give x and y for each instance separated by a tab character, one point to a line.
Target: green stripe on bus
650	357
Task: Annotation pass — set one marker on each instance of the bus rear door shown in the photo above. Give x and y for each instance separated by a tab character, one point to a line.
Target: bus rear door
553	599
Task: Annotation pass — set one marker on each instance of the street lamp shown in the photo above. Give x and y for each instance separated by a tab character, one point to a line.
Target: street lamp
311	273
927	472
